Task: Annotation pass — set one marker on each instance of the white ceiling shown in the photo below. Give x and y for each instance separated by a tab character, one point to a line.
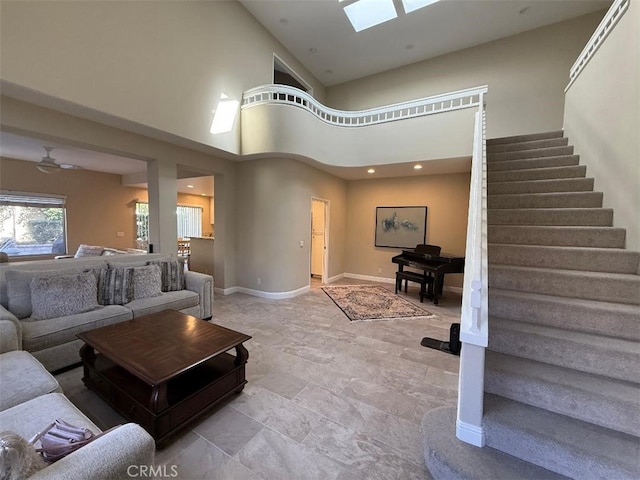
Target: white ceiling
319	35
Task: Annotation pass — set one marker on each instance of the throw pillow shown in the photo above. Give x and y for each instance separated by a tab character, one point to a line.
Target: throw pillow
19	292
115	286
147	281
172	275
53	297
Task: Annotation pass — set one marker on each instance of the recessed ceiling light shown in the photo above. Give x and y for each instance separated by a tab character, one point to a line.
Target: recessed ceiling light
189	186
328	71
371	170
203	194
525	10
365	14
284	21
417	167
410	46
313	50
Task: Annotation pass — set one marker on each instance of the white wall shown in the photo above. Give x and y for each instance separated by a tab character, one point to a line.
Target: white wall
160	64
289	129
526	75
602	121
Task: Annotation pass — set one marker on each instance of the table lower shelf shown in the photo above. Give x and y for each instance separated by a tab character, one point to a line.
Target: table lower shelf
189	394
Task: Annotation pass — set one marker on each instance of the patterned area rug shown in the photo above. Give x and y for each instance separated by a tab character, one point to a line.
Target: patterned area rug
372	302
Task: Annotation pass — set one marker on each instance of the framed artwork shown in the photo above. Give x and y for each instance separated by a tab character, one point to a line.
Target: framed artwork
400	227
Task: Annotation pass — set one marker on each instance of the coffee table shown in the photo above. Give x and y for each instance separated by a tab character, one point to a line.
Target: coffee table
163	370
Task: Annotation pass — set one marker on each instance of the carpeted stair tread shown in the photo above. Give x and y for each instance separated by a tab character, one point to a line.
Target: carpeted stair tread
534	153
597	237
613	287
595	217
617	320
546	200
525	138
541	186
585	352
530	163
612	260
530	145
577	449
543	173
448	458
592	398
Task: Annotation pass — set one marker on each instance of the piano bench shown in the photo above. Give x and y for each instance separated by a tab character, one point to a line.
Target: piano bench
422	278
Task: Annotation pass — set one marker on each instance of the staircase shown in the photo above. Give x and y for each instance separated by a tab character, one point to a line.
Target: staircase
562	371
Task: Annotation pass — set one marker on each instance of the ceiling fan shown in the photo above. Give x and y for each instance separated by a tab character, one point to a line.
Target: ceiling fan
48	163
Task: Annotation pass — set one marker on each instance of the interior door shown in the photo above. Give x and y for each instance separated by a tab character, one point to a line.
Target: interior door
318	243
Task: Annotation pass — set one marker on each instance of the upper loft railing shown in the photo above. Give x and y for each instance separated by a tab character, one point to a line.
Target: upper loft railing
608	23
281	94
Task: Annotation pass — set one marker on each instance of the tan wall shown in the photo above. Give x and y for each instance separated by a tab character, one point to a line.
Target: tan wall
447	201
526	75
602	121
160	64
274	216
98	205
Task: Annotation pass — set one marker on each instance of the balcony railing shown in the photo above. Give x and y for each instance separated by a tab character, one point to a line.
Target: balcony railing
281	94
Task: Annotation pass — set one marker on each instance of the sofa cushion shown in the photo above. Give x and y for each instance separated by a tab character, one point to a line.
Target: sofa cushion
28	418
19	288
115	286
89	251
60	296
178	300
147	281
22	378
56	331
172	274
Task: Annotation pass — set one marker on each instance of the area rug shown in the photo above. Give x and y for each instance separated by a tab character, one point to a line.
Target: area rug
362	303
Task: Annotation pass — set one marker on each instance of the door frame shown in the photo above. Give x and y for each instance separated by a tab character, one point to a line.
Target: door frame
325	253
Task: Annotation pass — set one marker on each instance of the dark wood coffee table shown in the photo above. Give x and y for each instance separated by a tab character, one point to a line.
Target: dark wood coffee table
163	370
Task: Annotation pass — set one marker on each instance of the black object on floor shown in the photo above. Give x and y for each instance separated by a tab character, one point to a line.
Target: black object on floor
452	346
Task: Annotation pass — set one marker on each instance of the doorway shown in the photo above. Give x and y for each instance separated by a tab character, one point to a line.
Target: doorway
319	239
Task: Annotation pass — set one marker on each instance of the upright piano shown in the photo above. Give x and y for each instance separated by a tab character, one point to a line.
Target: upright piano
435	265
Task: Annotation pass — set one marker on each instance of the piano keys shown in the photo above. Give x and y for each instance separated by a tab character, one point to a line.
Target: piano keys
435	265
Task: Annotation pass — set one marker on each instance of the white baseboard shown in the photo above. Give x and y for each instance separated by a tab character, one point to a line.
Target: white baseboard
261	294
471	434
335	278
300	291
370	278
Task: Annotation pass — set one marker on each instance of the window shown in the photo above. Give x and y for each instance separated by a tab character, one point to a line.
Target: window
189	221
32	224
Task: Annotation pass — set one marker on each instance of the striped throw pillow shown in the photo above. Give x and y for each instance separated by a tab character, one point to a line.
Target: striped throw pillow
115	286
172	273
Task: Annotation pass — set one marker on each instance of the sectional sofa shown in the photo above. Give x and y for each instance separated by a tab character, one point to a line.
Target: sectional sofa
51	301
31	398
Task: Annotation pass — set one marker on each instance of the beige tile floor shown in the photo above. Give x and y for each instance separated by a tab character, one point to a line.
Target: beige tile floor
325	399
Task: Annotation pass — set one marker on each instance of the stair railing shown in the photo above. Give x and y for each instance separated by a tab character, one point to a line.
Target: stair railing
282	94
474	331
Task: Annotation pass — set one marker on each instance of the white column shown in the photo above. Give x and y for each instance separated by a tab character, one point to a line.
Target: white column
471	395
163	200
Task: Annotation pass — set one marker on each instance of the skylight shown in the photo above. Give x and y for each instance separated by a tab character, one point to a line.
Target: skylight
365	14
413	5
225	115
